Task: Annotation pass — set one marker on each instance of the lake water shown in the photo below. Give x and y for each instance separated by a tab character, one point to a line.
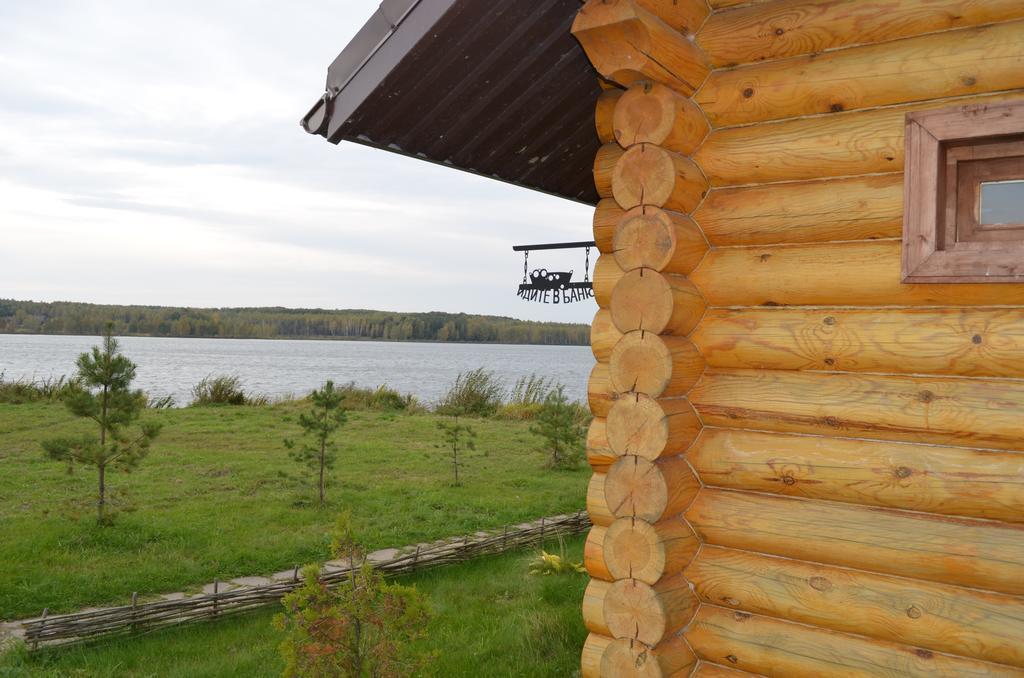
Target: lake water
285	367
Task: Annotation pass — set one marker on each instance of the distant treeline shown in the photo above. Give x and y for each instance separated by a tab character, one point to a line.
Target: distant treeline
29	317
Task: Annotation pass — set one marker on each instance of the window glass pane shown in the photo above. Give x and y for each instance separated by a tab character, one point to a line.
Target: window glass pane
1002	202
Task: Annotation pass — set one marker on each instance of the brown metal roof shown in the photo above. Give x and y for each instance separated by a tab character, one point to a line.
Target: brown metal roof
500	89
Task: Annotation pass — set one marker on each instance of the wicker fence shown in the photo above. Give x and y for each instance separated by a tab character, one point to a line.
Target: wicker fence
143	617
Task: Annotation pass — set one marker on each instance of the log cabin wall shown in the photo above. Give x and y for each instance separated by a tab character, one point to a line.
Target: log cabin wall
802	466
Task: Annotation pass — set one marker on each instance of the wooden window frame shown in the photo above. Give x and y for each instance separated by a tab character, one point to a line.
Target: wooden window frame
948	152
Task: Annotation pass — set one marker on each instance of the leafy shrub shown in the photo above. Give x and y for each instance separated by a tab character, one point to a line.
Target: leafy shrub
559	424
365	627
380	399
476	394
49	389
224	390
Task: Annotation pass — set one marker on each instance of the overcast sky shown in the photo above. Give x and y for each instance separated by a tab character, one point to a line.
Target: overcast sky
150	153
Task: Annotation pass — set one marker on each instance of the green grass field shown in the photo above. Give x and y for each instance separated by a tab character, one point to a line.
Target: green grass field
219	497
490	618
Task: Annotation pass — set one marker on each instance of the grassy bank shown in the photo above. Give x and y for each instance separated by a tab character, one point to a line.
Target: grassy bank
219	497
490	618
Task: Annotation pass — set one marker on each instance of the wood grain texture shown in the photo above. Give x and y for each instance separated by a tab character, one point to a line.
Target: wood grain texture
628	44
662	303
599	453
650	490
651	175
600	394
946	411
606	276
976	553
672	658
938	617
780	648
786	28
597	505
649	237
593	554
606	218
593	651
604	113
652	113
637	549
856	208
863	273
648	613
603	335
708	670
967	61
977	342
645	363
593	607
639	425
685	16
837	145
948	480
604	166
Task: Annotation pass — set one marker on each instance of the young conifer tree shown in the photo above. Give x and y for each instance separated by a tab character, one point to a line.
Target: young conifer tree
102	393
319	424
558	424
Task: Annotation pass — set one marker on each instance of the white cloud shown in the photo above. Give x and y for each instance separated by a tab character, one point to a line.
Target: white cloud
150	153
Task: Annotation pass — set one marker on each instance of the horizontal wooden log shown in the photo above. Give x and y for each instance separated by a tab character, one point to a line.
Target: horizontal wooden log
651	175
604	167
627	44
946	411
780	648
600	394
651	113
838	274
976	553
593	607
603	335
652	429
662	303
650	490
604	114
978	342
607	275
643	362
593	650
649	614
649	237
940	65
597	506
786	28
845	144
685	16
672	658
606	218
937	617
948	480
857	208
708	670
593	554
637	549
599	453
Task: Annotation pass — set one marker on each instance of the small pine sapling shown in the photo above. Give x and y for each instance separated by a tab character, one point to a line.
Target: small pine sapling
325	417
558	423
101	392
364	627
458	437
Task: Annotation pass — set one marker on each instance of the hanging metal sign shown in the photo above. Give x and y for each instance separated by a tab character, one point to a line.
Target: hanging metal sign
554	287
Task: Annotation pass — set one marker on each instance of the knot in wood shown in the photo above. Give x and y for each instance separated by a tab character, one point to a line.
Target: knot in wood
730	601
923	653
765	257
903	472
748	92
832	422
914	612
820	584
741	616
779	31
926	396
837	108
829	320
788	480
731	658
976	339
830	361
